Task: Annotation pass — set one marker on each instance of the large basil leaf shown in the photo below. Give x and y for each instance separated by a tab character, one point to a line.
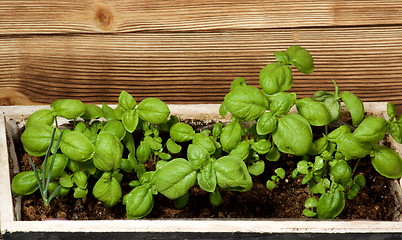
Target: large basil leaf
351	147
108	152
36	139
341	172
293	135
181	132
281	103
371	129
153	110
197	156
24	183
206	178
230	136
354	105
175	178
139	202
232	174
246	103
387	162
266	123
107	190
275	78
395	129
76	146
301	59
68	108
330	204
41	116
316	113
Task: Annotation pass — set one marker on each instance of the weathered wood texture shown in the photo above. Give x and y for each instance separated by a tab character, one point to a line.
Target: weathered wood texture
190	51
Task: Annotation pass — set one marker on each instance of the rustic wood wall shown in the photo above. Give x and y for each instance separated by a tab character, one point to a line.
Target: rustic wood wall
186	51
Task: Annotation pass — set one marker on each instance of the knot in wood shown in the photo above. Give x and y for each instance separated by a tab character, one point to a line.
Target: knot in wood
104	18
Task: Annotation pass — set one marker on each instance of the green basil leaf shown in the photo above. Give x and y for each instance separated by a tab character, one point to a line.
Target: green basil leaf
308	213
139	202
353	191
281	57
256	168
215	198
232	174
154	145
316	113
330	204
319	146
143	152
246	103
372	129
130	120
352	148
66	180
271	185
80	178
153	110
116	128
231	136
197	156
107	190
41	116
217	129
108	152
126	101
206	178
318	164
391	112
302	167
181	132
108	112
24	183
175	178
76	146
280	172
293	135
395	130
275	78
128	141
238	82
68	108
262	146
80	193
310	202
301	59
273	155
36	139
205	142
223	109
266	123
387	162
330	101
338	132
354	105
60	163
360	180
341	172
281	103
172	146
241	151
92	111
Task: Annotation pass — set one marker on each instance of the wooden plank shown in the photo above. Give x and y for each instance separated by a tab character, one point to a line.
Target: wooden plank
197	67
89	16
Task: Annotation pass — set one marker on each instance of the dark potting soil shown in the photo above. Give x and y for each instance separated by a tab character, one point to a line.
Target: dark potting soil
375	201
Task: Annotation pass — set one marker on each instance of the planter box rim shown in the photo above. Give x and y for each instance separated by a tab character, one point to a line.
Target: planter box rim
192	111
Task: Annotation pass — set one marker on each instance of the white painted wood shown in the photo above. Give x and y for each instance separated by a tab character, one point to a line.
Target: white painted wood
193	111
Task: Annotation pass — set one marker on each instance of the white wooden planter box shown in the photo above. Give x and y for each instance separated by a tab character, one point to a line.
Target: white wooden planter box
184	228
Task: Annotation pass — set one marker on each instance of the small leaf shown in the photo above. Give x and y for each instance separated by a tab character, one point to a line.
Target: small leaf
41	116
139	202
257	168
391	112
231	136
316	113
143	152
387	162
308	213
172	146
108	152
266	123
66	180
154	145
181	132
232	174
92	111
241	151
68	108
271	185
280	172
302	167
310	202
223	109
205	142
76	146
80	193
130	120
360	180
238	82
275	78
181	201
126	101
301	59
206	178
215	198
354	105
116	128
281	103
197	156
273	155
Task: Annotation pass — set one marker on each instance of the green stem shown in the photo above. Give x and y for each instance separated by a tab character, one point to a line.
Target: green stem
326	130
354	169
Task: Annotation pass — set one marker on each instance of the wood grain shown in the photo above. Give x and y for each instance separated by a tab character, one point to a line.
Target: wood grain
198	67
94	16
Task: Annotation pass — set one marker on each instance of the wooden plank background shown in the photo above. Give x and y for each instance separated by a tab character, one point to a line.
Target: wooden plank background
189	51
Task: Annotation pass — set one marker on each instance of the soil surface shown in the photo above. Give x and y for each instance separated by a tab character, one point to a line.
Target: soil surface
374	201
